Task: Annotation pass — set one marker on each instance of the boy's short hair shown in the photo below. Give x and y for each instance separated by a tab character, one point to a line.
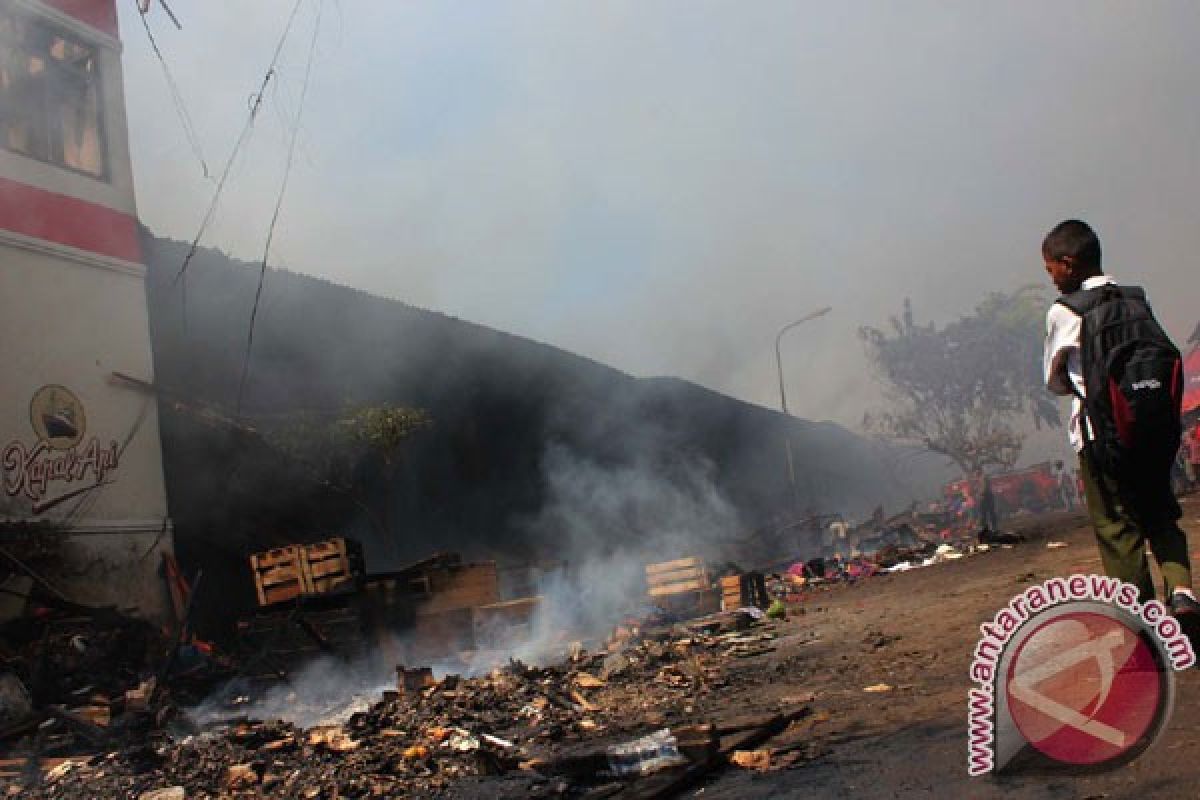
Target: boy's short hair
1074	239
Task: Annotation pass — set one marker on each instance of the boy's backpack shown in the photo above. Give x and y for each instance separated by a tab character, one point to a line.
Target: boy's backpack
1133	377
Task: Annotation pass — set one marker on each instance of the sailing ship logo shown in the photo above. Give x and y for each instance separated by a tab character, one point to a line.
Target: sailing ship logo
57	417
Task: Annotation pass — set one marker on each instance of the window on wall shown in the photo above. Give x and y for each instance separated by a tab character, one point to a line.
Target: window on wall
49	95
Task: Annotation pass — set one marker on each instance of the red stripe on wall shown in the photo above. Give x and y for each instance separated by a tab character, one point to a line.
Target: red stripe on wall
67	220
100	14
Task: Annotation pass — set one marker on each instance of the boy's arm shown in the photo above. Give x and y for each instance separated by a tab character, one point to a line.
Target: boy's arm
1063	329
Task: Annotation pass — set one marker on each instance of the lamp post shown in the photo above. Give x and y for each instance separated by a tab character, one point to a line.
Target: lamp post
787	439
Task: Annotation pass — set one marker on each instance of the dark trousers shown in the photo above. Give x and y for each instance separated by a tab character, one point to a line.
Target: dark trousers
987	516
1125	517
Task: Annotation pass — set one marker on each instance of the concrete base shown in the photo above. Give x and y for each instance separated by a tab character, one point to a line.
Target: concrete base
117	564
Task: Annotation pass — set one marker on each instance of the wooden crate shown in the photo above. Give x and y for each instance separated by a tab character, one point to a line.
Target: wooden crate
463	587
694	603
279	574
676	577
731	592
333	564
286	573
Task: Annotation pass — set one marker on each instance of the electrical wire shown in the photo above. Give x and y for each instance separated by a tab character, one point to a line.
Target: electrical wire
287	171
185	119
256	100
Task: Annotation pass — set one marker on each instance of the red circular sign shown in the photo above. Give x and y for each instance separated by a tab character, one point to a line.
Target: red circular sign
1084	688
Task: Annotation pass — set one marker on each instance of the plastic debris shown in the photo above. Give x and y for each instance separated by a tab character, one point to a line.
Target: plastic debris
650	753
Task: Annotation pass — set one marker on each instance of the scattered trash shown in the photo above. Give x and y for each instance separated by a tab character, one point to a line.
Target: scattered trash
586	680
332	738
877	688
1055	545
418	752
167	793
497	741
461	741
240	776
62	769
752	759
648	754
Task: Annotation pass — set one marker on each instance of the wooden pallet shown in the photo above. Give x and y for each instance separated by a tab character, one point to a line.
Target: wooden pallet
279	574
731	592
676	577
286	573
333	564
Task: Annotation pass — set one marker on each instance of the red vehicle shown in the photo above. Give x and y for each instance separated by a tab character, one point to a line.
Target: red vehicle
1191	372
1035	488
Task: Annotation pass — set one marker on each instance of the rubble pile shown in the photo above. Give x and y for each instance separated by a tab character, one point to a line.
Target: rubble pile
596	724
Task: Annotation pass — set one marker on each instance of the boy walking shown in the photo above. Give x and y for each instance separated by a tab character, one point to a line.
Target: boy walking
1104	348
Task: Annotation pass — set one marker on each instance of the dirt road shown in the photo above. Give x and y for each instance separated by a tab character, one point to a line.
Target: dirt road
911	633
915	631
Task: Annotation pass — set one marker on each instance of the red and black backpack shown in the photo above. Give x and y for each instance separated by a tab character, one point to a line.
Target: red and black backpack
1133	377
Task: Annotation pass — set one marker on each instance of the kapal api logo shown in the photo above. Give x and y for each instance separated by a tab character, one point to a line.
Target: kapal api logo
61	463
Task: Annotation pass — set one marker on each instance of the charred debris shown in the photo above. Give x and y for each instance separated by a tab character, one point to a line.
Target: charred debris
96	704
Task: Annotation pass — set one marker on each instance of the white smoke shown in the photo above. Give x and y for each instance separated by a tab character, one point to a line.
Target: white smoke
605	521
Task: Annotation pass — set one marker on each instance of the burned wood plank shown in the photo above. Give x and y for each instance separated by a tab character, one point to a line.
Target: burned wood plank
87	729
668	566
667	785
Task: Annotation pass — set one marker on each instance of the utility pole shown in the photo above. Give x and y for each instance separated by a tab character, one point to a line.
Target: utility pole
787	439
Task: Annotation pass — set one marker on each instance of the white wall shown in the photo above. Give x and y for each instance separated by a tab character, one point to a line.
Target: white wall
73	318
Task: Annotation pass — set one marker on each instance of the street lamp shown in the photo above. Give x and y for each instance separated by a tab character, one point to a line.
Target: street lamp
787	440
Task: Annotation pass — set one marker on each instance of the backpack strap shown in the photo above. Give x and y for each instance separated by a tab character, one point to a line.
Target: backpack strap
1081	301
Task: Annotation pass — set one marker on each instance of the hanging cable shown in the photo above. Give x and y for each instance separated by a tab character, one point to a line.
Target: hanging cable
185	119
287	171
255	104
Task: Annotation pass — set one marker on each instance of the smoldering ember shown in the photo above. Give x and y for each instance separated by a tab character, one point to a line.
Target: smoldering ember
264	535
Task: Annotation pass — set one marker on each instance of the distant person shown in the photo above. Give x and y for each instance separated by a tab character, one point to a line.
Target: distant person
1066	487
1191	447
1180	482
1126	465
988	520
966	510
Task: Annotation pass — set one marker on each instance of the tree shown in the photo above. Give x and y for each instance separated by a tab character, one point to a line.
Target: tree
347	451
962	390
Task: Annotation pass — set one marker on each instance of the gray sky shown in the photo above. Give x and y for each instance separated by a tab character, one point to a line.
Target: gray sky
663	185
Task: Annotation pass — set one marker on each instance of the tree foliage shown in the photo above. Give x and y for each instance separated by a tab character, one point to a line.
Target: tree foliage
963	390
347	451
335	447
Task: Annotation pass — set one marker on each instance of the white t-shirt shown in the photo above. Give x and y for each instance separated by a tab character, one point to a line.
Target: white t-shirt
1062	362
